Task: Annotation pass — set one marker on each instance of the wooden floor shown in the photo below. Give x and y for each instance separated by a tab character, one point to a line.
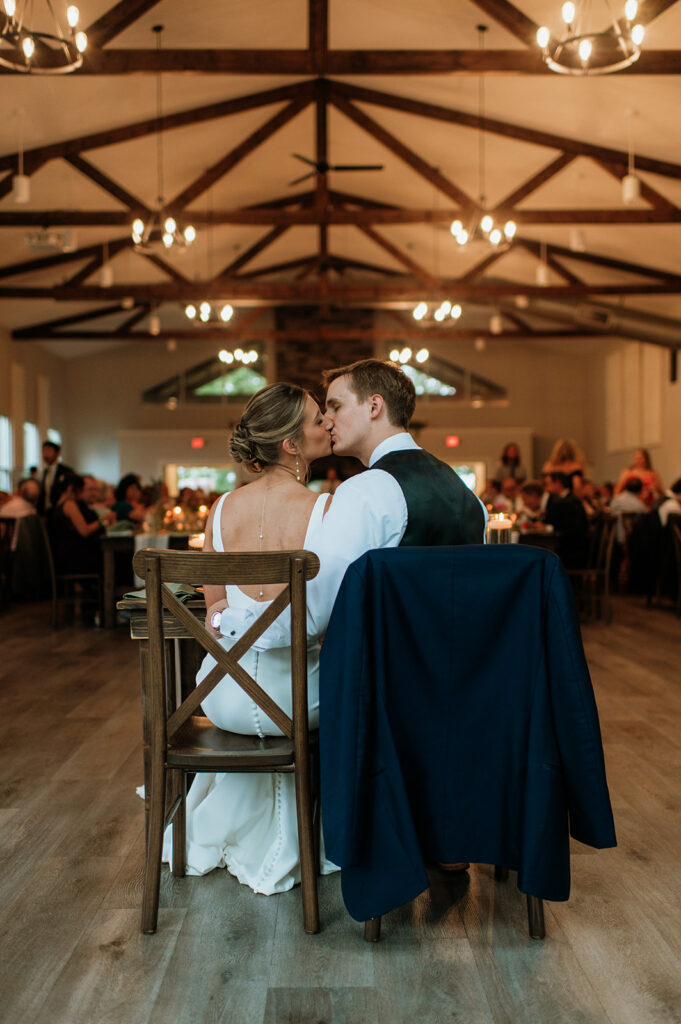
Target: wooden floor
71	845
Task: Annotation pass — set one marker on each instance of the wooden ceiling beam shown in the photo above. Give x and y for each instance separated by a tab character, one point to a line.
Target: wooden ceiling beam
322	332
397	254
45	262
132	321
48	326
116	20
105	182
407	155
263	243
651	195
238	153
407	289
335	215
167	268
140	129
538	179
277	268
600	261
301	63
506	129
510	18
85	272
318	33
344	262
481	266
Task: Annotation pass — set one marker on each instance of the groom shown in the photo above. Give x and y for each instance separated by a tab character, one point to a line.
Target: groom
413	498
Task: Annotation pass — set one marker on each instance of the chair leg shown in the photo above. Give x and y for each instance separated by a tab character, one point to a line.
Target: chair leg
372	929
152	867
180	825
500	873
308	873
535	917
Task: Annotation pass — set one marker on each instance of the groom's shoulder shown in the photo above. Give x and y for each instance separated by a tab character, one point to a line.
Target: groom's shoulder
367	486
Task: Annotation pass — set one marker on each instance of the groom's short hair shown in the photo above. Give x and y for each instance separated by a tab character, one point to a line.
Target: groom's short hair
379	377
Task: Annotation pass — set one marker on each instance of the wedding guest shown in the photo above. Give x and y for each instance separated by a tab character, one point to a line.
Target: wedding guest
565	513
75	530
642	469
509	492
491	493
529	506
511	464
21	504
53	475
128	504
566	457
672	505
628	501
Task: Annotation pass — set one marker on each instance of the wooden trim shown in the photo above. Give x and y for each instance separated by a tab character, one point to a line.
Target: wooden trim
85	272
167	268
478	269
60	258
651	195
318	33
251	253
276	268
132	321
397	254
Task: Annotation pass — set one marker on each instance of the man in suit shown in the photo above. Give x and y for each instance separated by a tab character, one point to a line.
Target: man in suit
565	512
53	473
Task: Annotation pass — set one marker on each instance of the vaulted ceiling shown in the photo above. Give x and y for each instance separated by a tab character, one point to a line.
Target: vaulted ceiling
249	83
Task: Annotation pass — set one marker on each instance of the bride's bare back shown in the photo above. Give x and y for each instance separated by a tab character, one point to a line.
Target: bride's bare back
275	501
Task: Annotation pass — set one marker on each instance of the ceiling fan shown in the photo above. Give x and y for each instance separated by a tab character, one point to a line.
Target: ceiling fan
321	167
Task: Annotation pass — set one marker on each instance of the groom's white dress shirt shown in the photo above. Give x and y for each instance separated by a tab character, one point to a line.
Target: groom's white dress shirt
367	511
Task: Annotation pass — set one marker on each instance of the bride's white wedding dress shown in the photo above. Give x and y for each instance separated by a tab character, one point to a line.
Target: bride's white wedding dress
247	822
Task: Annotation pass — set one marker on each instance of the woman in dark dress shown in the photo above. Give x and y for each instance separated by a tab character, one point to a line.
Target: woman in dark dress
75	530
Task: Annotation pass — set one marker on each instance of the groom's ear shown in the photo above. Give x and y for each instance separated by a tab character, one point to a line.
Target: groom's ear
376	404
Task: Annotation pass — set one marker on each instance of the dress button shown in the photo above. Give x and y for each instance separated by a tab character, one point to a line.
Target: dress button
233	633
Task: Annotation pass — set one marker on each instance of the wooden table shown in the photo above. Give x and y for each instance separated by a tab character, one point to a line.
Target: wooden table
185	658
111	545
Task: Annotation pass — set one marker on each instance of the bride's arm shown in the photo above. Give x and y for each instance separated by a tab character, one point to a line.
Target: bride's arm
214	596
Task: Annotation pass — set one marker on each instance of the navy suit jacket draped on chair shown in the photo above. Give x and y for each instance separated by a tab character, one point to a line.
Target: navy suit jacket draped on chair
457	723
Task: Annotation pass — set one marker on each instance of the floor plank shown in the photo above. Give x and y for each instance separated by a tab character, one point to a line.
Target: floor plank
72	845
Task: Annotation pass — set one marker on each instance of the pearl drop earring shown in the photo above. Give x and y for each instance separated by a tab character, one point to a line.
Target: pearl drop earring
297	469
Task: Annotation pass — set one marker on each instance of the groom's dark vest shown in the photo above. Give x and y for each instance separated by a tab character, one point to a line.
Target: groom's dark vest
440	508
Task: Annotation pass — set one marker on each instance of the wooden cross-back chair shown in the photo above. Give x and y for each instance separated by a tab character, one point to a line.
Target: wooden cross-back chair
180	741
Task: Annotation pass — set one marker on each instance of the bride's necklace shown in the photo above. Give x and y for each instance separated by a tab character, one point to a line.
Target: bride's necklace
296	475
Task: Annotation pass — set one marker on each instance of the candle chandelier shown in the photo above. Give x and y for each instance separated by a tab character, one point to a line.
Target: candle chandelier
35	50
481	227
583	49
207	313
160	225
446	310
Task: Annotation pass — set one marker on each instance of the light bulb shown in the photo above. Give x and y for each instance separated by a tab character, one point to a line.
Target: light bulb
568	12
638	34
405	355
81	42
495	236
543	36
10	8
542	275
462	237
510	229
226	313
446	307
170	225
106	276
190	312
496	324
420	311
439	314
138	227
72	15
630	9
204	310
422	355
154	324
487	223
230	358
222	355
577	242
21	188
28	46
189	234
456	311
395	355
456	227
584	50
479	344
239	354
254	355
167	239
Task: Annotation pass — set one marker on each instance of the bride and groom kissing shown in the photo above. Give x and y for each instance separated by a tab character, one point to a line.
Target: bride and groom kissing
406	496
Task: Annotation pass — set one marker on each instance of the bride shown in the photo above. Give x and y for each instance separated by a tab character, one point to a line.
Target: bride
247	822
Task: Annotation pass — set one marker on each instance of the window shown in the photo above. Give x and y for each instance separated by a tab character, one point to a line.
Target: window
472	474
219	479
5	454
53	435
31	446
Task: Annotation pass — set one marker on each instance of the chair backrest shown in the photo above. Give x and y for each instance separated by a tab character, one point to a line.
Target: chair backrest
292	568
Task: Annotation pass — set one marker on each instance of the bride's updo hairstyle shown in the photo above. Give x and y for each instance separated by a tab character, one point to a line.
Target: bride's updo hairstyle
273	414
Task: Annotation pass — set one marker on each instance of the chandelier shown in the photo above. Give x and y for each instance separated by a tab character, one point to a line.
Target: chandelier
583	50
238	356
482	227
208	313
446	310
34	51
160	225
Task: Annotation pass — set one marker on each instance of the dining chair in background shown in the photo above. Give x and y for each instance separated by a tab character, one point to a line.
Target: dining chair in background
178	741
